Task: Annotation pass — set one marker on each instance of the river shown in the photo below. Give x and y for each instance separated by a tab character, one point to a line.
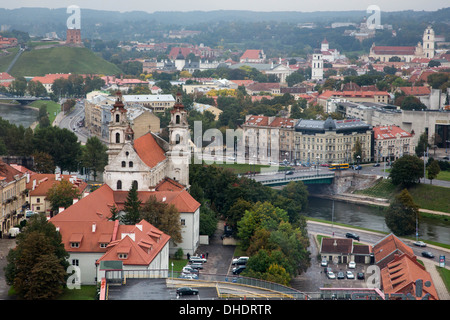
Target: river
18	114
372	218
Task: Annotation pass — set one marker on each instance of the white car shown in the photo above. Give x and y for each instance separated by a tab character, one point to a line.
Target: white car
350	275
352	265
240	260
420	243
331	275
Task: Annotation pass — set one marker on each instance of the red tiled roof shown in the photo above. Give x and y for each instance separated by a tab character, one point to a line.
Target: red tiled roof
283	122
388	246
251	54
7	172
390	132
43	182
415	91
168	184
149	150
50	78
400	275
394	50
257	121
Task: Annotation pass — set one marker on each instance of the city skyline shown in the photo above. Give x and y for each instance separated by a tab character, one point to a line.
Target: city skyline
252	5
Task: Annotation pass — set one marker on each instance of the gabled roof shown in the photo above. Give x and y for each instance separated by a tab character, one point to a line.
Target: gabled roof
389	245
337	245
401	274
7	172
252	54
415	91
389	50
40	183
148	149
50	78
390	132
141	243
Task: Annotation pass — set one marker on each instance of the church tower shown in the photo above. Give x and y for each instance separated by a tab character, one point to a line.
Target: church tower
428	43
317	66
179	154
118	128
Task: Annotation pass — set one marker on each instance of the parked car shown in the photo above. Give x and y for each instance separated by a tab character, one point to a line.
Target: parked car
427	254
376	165
290	172
188	269
327	269
324	263
238	270
186	291
352	264
340	275
331	275
350	275
419	243
360	275
196	266
352	235
189	276
240	261
197	260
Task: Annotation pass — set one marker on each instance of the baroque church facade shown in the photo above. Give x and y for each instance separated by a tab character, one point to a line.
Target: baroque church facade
149	160
426	49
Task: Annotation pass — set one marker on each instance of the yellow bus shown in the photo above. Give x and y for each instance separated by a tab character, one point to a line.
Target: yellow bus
338	166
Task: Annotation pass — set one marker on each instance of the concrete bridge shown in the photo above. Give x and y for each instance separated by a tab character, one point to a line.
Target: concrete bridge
22	100
308	177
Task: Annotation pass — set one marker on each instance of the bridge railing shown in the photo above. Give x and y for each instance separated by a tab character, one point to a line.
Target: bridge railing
298	178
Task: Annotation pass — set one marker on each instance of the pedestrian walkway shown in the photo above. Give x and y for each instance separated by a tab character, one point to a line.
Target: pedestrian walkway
439	284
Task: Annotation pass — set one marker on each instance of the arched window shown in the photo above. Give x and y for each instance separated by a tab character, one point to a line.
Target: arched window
135	184
123	164
119	185
177	139
177	119
130	164
117	118
117	137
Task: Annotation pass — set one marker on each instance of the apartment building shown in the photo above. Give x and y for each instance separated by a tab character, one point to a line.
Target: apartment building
154	102
331	141
13	199
269	138
392	142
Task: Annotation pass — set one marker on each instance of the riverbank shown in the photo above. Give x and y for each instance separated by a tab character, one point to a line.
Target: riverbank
367	200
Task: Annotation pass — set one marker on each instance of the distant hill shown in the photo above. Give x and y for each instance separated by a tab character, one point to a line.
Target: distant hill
62	60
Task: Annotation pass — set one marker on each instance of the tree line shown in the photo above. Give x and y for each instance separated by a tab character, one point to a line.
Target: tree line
267	222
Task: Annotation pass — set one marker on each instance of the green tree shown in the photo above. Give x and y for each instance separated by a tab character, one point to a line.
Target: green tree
406	171
94	155
163	216
36	266
433	170
61	195
132	207
422	144
43	163
401	214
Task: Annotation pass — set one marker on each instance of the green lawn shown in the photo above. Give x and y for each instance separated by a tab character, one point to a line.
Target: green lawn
426	196
6	60
84	293
445	275
52	108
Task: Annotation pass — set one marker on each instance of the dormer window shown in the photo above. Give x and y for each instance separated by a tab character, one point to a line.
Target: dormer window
123	256
74	244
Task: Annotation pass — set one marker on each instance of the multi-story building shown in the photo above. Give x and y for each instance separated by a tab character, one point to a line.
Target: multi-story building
391	142
154	102
331	141
13	192
268	138
98	107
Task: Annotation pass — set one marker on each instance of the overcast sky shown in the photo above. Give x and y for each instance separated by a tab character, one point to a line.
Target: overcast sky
254	5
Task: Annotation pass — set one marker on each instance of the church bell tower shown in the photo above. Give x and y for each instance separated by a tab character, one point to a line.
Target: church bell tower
117	128
179	154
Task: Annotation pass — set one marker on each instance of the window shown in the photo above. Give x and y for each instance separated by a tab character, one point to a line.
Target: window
119	185
75	262
123	164
135	184
123	256
103	245
117	118
183	222
177	119
38	200
117	137
74	244
130	164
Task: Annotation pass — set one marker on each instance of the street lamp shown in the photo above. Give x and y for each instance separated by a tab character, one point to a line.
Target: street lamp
358	161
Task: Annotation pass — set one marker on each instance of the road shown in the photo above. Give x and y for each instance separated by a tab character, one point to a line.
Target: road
71	120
